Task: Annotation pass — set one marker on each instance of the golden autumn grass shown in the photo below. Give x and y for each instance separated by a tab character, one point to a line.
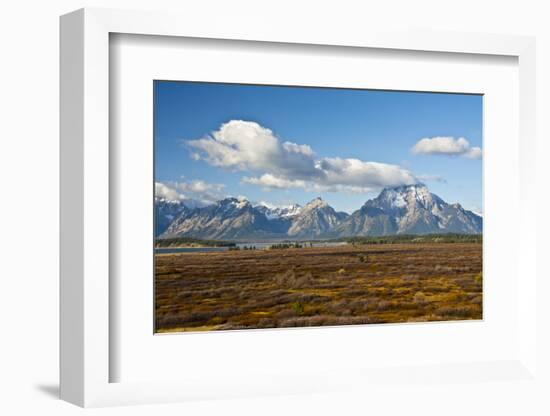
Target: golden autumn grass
361	284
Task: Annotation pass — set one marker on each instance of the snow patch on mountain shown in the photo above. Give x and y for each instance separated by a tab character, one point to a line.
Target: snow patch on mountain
272	211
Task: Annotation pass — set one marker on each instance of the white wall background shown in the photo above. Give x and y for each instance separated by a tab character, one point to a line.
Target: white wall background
29	198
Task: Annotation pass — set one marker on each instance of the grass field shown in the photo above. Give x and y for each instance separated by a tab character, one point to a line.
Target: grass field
297	287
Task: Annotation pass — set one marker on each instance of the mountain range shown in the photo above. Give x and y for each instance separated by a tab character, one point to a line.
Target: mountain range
409	209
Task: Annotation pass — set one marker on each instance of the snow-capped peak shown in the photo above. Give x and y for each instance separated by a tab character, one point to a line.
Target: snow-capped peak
405	195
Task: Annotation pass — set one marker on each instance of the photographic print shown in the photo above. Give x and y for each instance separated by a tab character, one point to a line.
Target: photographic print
286	206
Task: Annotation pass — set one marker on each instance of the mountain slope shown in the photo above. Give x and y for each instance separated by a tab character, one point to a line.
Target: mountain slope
230	218
314	220
166	212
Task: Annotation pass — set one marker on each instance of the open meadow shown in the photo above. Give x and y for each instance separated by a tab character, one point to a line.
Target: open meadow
317	286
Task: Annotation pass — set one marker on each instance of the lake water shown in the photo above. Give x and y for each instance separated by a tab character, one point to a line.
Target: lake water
189	250
257	245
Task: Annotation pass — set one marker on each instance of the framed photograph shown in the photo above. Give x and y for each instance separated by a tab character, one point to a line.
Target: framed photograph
253	231
281	213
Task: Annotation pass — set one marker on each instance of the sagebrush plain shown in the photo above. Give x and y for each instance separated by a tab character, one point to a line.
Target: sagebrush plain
318	286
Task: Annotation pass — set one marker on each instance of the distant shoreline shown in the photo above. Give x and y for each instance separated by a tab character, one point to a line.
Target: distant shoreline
186	246
447	238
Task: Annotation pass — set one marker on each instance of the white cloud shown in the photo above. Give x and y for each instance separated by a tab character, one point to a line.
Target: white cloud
196	189
355	172
474	153
267	180
298	148
448	146
165	192
246	146
199	186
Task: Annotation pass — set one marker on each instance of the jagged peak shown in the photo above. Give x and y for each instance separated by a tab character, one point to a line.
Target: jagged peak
315	203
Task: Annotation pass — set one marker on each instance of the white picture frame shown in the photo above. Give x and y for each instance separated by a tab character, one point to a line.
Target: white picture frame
85	210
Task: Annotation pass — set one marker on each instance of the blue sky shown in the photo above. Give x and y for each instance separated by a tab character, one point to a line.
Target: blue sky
292	144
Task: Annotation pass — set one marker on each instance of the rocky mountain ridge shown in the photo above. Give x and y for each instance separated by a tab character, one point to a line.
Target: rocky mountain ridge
410	209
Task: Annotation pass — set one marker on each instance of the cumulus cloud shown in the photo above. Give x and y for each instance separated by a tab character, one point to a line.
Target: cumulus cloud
355	172
474	153
247	146
448	146
199	187
267	180
165	192
198	190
